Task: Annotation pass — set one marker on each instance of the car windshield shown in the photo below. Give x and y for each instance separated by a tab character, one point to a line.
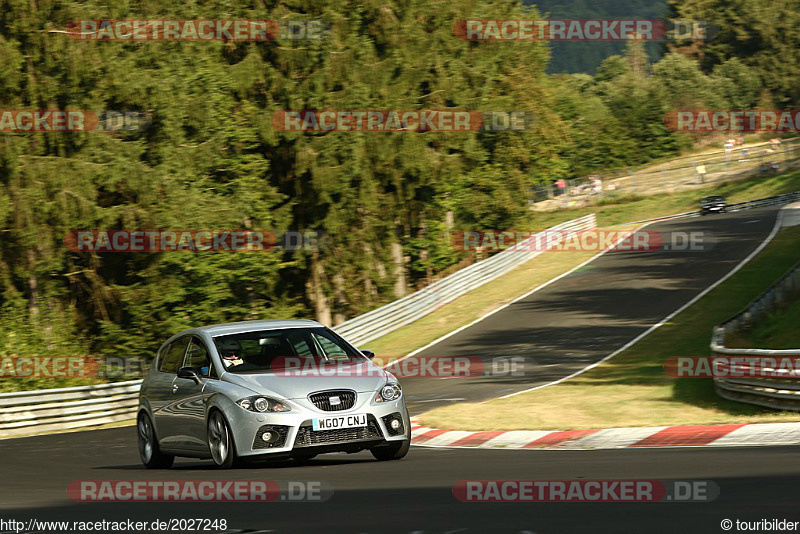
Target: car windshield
713	199
264	351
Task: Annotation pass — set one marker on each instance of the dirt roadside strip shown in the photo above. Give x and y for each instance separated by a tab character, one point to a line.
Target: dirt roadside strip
728	435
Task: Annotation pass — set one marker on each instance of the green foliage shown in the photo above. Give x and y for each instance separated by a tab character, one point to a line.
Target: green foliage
758	33
587	57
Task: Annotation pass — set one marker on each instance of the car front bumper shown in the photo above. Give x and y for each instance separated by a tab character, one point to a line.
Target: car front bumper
291	433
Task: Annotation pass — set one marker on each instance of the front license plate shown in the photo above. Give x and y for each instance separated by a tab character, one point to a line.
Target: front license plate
340	421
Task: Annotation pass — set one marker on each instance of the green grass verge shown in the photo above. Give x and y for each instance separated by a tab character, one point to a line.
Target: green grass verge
632	388
779	330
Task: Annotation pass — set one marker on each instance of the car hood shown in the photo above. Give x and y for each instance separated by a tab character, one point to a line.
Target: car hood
360	377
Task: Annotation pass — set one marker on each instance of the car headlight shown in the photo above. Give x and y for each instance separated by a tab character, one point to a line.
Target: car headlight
263	404
389	392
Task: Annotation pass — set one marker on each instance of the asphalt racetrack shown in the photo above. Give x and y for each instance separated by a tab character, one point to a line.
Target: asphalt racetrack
413	494
571	323
583	317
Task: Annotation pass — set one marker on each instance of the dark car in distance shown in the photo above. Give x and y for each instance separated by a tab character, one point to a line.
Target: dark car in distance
713	204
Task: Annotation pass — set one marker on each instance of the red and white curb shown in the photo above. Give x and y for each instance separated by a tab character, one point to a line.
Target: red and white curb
613	438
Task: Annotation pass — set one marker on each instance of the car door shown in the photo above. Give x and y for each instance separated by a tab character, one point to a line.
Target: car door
189	421
162	398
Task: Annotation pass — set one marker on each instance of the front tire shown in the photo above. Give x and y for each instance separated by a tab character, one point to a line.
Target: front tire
304	459
395	451
220	441
149	452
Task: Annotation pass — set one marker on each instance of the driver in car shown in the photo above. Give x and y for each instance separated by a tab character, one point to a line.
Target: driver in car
231	353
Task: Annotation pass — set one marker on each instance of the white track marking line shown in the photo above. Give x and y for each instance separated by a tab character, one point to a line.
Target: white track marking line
529	293
775	229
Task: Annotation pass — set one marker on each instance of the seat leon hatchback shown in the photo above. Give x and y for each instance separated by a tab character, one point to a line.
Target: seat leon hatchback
267	390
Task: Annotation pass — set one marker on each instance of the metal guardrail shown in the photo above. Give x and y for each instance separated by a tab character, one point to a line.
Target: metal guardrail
408	309
50	410
779	389
762	202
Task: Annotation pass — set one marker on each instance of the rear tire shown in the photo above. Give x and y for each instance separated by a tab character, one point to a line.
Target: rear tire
220	441
149	452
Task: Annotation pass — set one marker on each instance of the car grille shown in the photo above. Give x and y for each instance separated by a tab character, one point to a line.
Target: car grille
307	437
281	431
387	420
322	400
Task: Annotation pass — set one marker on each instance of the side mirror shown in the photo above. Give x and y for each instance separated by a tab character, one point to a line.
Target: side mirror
368	353
189	373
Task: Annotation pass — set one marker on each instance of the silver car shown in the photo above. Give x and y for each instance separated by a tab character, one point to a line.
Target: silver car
267	389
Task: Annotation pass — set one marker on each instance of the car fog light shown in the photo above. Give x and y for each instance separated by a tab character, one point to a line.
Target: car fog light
267	436
395	424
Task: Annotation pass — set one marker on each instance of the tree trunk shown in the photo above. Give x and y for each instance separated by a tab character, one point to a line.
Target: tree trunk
316	294
400	270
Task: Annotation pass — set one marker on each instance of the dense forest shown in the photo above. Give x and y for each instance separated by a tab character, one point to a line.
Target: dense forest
578	57
385	202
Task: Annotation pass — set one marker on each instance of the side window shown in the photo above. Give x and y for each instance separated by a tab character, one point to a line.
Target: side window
173	356
330	349
197	357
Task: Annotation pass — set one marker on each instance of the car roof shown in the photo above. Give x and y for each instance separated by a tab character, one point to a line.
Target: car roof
250	326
